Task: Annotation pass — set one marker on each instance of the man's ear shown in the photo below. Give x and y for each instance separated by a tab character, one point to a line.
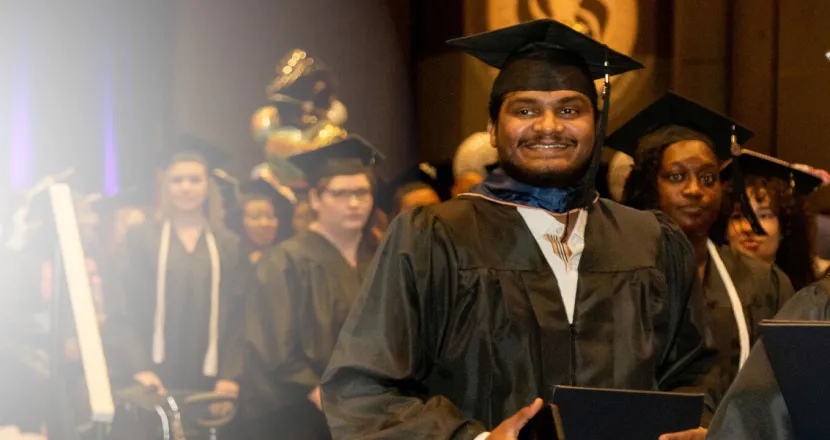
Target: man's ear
314	199
491	128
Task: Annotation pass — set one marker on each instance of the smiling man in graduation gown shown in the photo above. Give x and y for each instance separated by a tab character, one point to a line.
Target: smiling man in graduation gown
475	308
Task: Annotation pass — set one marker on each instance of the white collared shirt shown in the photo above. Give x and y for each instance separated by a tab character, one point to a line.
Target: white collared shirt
546	229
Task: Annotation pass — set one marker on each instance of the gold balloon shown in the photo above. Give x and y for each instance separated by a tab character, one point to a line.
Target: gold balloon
263	121
286	143
329	134
337	114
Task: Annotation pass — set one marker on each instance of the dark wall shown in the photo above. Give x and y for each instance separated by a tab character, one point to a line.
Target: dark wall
78	80
78	76
780	79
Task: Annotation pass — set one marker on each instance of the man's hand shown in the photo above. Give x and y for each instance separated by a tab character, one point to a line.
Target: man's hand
509	429
148	379
314	397
692	434
225	388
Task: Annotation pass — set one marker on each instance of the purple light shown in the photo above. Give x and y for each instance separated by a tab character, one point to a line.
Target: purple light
20	153
111	181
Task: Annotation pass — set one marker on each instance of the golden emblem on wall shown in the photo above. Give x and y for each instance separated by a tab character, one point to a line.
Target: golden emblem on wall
613	22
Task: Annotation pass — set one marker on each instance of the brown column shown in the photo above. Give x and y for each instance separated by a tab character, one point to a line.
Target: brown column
803	125
700	69
753	83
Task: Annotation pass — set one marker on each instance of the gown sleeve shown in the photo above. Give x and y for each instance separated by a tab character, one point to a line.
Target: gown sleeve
754	407
373	387
232	339
272	362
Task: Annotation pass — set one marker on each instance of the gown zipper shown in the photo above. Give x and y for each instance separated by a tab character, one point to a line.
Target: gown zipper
572	340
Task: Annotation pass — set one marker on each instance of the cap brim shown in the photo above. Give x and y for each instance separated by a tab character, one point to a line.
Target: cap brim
215	156
350	155
496	48
673	109
758	164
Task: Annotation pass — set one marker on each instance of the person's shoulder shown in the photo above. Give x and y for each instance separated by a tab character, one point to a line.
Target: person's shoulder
457	212
465	206
811	303
303	245
628	222
759	266
628	214
738	262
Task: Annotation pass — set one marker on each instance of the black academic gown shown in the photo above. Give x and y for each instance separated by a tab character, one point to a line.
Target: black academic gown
293	325
754	407
460	322
187	307
763	290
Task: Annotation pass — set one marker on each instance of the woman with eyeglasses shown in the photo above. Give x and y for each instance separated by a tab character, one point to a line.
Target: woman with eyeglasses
309	283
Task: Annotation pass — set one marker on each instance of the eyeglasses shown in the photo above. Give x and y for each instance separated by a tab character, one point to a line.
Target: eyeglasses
345	195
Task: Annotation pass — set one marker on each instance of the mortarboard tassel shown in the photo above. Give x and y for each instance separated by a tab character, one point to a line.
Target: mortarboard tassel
740	188
591	175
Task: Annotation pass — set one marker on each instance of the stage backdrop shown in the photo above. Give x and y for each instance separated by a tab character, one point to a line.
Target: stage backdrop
761	61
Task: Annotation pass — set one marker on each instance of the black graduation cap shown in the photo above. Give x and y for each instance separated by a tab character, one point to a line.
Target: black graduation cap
352	155
757	164
189	144
259	187
497	47
673	109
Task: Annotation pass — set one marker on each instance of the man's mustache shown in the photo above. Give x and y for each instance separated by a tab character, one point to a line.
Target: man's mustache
549	140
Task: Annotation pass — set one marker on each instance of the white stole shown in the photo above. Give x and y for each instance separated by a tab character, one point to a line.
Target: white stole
210	367
734	299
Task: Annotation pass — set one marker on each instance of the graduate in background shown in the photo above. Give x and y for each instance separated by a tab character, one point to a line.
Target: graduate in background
779	195
477	307
414	187
678	146
310	283
472	162
178	281
754	408
262	218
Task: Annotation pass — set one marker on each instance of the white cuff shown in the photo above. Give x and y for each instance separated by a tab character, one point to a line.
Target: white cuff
482	436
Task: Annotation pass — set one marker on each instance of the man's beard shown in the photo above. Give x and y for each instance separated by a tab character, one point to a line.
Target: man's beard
550	178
